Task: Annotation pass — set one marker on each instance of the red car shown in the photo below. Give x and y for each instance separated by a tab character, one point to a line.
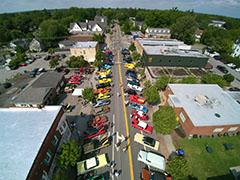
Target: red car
92	132
23	64
136	99
139	114
75	79
141	125
97	120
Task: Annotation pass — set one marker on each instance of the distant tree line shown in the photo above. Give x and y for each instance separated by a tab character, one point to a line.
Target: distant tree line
52	25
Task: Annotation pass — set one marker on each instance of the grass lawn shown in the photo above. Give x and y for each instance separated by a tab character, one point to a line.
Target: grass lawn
204	165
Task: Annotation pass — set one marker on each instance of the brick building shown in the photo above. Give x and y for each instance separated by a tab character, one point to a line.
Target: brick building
204	109
30	138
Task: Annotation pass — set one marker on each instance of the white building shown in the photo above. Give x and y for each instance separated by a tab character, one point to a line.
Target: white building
236	48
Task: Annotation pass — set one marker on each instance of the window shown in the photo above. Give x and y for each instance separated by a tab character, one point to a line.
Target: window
218	130
75	52
63	127
84	52
233	129
179	61
48	157
182	117
44	176
55	140
169	60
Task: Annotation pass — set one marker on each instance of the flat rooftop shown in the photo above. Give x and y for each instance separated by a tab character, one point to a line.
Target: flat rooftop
85	44
159	42
22	132
204	102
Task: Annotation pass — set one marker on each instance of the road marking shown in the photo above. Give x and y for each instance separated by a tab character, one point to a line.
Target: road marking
113	137
126	122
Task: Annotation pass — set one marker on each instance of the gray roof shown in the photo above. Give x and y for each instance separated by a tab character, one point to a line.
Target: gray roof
36	91
68	43
98	19
22	132
158	31
201	112
85	44
139	23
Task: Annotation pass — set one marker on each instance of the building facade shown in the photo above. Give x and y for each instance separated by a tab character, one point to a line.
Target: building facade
87	49
236	48
203	109
158	33
31	145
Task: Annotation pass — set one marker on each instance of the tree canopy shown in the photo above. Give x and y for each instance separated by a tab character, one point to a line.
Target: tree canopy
99	55
98	37
214	79
53	63
151	94
132	47
178	167
88	94
70	154
163	81
77	62
228	77
189	80
136	56
164	120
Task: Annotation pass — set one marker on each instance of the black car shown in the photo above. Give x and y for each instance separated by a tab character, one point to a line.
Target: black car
103	85
133	82
234	89
222	69
149	141
6	85
131	71
47	57
217	58
34	72
108	62
132	75
125	52
131	91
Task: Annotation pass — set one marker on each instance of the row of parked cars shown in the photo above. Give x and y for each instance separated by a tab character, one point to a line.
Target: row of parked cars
139	118
97	123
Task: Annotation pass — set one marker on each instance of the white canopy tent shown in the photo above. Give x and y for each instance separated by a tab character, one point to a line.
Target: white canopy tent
77	92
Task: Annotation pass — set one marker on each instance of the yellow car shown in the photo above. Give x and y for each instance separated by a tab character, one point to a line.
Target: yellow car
91	164
129	65
146	141
102	73
103	96
105	80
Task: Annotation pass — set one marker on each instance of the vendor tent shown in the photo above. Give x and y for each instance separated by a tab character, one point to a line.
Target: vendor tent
77	92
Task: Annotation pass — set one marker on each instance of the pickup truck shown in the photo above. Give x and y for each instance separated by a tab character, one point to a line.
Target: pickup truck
92	132
100	110
97	120
96	145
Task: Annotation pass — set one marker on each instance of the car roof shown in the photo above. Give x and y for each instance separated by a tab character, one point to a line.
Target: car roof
90	163
142	124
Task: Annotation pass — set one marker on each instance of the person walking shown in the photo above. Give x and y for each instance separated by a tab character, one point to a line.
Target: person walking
116	174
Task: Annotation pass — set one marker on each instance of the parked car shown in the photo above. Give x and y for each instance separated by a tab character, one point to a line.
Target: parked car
231	65
139	115
92	132
91	164
100	110
96	120
129	65
141	125
34	72
234	89
136	99
134	87
102	90
48	57
146	141
152	159
102	102
108	62
131	71
125	52
140	107
237	69
133	82
105	80
224	61
132	79
150	175
222	69
130	91
103	85
6	85
104	76
132	75
217	58
23	64
103	96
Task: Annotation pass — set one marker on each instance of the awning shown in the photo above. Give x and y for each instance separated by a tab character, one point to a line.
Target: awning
91	60
77	92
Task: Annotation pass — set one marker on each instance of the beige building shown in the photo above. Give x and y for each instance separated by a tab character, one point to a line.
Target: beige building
87	49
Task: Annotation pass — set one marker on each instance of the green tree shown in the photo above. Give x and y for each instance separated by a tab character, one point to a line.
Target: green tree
51	32
136	56
132	47
151	95
213	79
50	50
53	63
77	62
178	168
17	34
164	120
225	46
98	64
147	83
189	80
98	37
143	28
99	55
88	93
228	77
70	154
184	29
163	81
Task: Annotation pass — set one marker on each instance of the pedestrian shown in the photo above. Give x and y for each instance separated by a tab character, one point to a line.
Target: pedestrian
109	164
125	148
116	174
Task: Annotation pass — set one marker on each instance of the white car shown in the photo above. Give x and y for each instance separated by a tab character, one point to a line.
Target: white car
155	160
132	79
134	87
231	65
237	69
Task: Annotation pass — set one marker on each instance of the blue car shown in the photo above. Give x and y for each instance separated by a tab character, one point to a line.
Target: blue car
140	107
105	66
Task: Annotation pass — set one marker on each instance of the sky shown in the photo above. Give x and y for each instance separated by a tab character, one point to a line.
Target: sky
229	8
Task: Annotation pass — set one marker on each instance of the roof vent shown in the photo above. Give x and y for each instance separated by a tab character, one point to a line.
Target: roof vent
202	99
